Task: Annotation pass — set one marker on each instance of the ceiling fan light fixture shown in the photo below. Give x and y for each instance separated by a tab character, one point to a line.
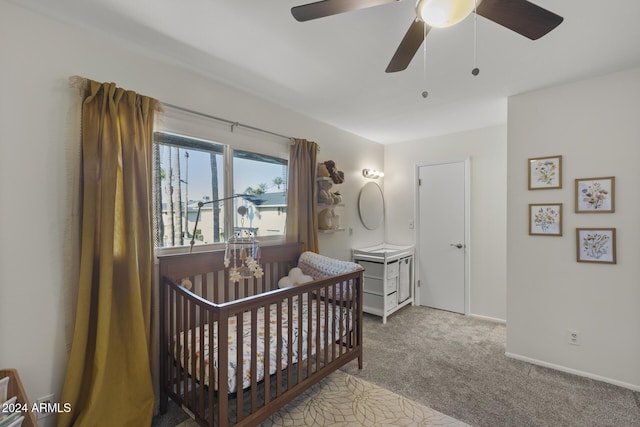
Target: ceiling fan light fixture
444	13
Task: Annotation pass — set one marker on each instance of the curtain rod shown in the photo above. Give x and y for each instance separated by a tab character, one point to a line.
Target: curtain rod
231	122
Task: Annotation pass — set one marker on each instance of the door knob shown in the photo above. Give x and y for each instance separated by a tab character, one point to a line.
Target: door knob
457	245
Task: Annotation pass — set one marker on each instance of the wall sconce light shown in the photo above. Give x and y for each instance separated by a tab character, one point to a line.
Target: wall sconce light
372	173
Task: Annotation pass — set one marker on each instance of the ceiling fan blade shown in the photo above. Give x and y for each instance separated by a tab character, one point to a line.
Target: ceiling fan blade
521	16
408	46
320	9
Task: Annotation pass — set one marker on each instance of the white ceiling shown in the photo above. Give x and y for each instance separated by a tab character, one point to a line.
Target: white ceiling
332	69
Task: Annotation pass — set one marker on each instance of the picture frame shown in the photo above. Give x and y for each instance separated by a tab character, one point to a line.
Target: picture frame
596	245
545	173
595	195
545	219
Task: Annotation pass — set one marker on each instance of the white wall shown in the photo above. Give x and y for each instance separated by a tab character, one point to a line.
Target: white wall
39	174
487	150
595	126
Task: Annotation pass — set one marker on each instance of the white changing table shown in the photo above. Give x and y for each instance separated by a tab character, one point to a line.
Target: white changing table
388	277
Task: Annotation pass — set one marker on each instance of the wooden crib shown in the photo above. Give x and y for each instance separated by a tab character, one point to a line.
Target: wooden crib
279	341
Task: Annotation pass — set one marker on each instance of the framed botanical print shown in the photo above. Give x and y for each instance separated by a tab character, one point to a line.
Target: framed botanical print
595	195
545	219
545	173
596	245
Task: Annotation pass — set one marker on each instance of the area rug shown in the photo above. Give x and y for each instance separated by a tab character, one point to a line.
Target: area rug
344	400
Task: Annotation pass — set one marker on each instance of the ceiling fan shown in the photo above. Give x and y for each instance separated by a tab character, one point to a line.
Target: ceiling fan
521	16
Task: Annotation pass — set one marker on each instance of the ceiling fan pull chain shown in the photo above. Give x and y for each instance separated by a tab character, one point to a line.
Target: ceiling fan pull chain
424	62
475	70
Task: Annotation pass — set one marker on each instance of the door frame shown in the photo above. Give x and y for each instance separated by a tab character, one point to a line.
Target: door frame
467	225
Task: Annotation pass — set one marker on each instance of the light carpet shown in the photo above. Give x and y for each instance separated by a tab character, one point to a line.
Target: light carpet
344	400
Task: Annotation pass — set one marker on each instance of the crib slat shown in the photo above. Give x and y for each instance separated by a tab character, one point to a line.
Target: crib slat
216	285
205	287
269	275
173	345
342	330
192	378
239	364
300	335
319	341
349	319
201	325
254	359
337	327
290	341
279	350
328	339
212	356
236	291
267	356
182	373
223	360
309	333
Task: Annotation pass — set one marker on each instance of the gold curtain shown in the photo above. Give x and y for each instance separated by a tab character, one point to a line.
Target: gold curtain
302	218
109	380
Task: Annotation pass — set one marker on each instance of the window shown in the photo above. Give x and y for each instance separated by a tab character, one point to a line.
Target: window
189	170
264	178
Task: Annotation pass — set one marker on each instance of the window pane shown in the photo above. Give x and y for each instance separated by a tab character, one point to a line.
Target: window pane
188	170
264	179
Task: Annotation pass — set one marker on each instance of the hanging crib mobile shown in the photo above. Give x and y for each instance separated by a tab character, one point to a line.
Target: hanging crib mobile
242	253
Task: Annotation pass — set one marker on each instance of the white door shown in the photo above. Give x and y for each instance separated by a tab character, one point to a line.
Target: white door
442	217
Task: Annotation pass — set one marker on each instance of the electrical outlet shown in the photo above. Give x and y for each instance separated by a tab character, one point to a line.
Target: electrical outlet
45	406
574	337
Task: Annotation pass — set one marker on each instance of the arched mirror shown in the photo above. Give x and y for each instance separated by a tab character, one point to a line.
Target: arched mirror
371	205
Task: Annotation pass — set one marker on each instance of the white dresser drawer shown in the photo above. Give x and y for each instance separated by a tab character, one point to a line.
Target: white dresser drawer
372	269
376	286
392	301
374	303
391	285
392	270
376	269
373	285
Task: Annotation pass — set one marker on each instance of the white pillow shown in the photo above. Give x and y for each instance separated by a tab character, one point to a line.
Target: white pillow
295	277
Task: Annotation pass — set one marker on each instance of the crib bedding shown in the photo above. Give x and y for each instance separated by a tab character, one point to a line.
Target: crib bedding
335	325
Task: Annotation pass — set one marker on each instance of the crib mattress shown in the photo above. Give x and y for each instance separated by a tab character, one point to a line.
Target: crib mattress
334	315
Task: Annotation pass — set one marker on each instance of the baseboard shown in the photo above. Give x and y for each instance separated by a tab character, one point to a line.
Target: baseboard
633	387
491	319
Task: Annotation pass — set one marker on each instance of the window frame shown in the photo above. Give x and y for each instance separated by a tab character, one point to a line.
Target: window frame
208	130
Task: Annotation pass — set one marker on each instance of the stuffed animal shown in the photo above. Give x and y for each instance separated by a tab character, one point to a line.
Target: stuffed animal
186	283
323	172
295	277
324	195
336	176
337	198
326	219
